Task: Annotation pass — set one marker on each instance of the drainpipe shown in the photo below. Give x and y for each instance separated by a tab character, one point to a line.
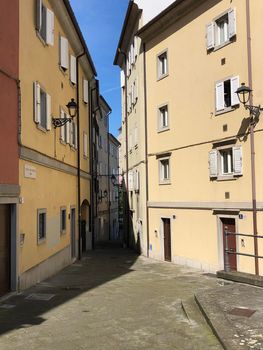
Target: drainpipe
109	202
78	156
252	141
146	144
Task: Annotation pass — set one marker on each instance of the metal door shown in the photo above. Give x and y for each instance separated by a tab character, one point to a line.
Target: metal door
167	239
230	226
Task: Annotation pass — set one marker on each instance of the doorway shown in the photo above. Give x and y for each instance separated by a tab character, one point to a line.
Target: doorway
229	224
5	256
167	239
73	232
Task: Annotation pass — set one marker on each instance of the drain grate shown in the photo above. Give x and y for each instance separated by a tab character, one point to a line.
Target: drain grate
40	297
239	311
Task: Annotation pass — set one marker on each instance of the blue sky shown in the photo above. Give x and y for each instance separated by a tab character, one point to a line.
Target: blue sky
101	23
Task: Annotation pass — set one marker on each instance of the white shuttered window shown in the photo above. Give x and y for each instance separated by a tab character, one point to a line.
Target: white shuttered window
85	91
64	54
42	107
73	69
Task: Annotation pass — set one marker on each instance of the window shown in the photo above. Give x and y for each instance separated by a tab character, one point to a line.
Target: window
73	69
226	162
220	31
162	65
226	97
163	118
45	23
42	107
63	220
73	134
85	145
85	91
41	225
164	170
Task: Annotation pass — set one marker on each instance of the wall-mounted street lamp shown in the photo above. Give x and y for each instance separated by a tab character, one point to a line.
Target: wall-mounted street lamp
72	109
244	94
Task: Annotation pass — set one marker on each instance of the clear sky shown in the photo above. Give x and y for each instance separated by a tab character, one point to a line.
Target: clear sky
101	23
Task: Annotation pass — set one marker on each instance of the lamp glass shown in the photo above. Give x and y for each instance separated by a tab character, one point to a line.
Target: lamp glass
72	108
243	93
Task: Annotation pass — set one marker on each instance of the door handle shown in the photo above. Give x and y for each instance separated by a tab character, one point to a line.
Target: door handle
232	250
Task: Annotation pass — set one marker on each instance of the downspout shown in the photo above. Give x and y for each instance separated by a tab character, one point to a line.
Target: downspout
252	141
109	202
91	167
78	156
146	144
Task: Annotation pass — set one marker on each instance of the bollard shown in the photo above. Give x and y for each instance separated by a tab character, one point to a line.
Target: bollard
227	264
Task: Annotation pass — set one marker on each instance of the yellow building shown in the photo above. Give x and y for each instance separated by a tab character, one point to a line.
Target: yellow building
54	67
198	154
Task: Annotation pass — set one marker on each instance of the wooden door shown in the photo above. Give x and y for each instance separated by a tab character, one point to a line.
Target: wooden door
230	225
73	231
4	248
167	239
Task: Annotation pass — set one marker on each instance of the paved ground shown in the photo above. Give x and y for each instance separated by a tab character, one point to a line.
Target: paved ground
111	300
235	312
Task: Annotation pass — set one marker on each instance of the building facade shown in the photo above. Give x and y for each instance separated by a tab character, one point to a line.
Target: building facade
198	153
9	160
54	167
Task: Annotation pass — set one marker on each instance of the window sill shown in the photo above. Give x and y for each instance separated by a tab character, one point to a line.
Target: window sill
218	47
162	76
41	128
41	241
168	182
163	129
63	233
226	110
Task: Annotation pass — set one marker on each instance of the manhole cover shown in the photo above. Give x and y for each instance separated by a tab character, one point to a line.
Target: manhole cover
40	297
238	311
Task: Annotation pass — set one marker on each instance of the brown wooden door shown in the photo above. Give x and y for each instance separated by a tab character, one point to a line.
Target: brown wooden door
167	239
4	248
231	227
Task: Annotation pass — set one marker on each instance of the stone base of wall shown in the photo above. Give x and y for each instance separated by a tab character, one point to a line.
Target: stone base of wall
46	269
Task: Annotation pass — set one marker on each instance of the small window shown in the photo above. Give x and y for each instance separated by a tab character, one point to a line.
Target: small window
162	65
226	161
163	117
42	107
164	171
226	97
41	224
221	30
63	220
45	23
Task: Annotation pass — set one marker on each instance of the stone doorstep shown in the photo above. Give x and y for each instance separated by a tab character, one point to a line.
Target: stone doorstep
241	277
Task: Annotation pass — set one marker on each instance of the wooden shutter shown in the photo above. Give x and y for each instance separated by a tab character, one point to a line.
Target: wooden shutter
68	131
122	79
48	111
135	47
130	179
37	102
137	181
50	27
127	66
213	163
38	14
210	36
85	91
234	87
62	129
64	52
76	135
220	101
232	23
85	144
237	160
132	53
73	69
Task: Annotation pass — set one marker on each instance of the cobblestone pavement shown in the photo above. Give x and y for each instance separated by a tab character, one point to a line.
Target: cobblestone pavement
110	300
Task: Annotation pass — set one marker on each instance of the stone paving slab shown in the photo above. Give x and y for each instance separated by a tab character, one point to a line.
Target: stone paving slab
227	311
111	300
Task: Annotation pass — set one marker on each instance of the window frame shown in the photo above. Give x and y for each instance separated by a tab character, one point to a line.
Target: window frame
63	209
160	127
41	240
161	75
162	179
233	103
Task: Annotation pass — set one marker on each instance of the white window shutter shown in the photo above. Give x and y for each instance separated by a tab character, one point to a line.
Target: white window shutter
135	47
50	28
76	136
64	52
73	69
210	36
232	30
213	163
68	131
48	111
237	160
38	14
85	91
234	87
85	144
220	100
127	66
122	79
37	106
129	60
137	181
131	182
132	53
62	129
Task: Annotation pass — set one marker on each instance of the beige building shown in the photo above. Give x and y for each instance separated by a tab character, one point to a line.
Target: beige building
197	152
54	168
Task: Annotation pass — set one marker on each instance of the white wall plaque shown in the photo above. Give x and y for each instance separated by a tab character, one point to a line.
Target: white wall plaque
30	172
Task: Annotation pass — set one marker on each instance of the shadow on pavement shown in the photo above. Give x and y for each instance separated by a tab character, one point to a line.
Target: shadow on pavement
96	268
